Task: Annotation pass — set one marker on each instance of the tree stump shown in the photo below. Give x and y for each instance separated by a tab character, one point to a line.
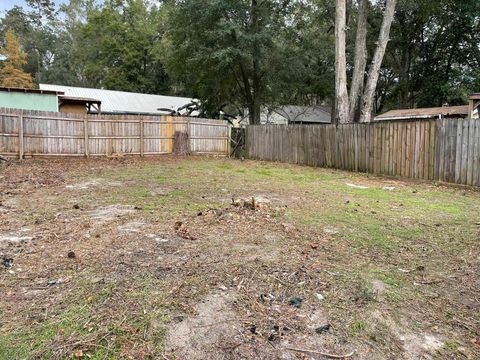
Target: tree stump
180	143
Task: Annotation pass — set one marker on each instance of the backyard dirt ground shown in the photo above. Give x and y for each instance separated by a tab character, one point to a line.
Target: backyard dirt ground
204	258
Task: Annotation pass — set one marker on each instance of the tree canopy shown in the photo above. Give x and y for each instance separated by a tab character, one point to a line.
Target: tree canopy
241	56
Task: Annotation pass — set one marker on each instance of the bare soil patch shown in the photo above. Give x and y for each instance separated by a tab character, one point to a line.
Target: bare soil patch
194	258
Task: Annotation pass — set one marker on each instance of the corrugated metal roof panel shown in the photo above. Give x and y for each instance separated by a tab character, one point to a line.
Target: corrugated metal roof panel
32	91
424	112
122	102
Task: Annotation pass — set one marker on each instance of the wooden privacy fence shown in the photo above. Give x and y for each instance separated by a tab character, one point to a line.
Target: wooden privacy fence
39	133
444	150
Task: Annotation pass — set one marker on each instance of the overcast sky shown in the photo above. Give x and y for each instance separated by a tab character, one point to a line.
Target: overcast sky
8	4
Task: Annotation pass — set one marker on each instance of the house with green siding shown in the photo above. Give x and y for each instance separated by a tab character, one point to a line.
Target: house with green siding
29	99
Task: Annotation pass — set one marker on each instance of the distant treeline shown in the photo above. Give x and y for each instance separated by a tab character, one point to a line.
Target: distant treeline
244	54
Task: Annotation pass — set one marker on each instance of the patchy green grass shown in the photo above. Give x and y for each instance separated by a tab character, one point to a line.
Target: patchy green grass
357	327
420	240
99	317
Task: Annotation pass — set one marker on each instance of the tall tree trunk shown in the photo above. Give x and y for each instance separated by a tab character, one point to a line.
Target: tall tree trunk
256	87
254	112
403	80
360	60
341	93
256	76
383	38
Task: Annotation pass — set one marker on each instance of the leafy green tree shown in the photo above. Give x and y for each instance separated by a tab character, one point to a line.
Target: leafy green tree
67	67
116	46
434	57
245	54
305	72
242	52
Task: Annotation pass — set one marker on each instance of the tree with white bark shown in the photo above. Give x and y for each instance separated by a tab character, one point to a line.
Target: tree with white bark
362	93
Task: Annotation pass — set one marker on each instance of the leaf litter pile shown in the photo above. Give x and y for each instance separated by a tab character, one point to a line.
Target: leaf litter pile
100	263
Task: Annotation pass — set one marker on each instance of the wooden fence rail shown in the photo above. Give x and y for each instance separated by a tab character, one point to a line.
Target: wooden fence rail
36	133
443	150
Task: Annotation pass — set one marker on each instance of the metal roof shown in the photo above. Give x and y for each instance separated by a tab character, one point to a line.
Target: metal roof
122	102
424	113
31	91
78	99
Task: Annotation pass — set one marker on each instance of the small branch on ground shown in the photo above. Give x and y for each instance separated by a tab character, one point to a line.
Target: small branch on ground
333	356
3	158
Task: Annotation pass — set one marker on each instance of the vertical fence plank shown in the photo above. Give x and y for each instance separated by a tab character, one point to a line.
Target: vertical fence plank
375	148
86	146
464	152
394	148
458	154
412	148
381	148
408	151
142	137
471	147
476	155
453	149
426	148
421	149
21	137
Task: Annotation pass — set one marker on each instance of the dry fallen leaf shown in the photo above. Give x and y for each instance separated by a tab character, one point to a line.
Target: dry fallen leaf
78	354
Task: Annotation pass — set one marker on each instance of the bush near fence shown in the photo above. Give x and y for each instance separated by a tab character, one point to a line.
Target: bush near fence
40	133
444	150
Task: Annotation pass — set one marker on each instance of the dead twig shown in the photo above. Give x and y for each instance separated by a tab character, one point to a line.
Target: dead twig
333	356
145	332
426	282
219	323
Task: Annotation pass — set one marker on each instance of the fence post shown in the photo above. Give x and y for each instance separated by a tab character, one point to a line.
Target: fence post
142	138
246	152
189	147
85	134
229	140
21	145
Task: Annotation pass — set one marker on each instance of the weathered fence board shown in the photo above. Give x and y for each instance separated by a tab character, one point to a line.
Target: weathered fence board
446	150
33	133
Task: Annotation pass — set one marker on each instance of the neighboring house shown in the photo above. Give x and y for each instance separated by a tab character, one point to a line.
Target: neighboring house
29	99
446	112
304	114
292	114
455	112
120	102
474	105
